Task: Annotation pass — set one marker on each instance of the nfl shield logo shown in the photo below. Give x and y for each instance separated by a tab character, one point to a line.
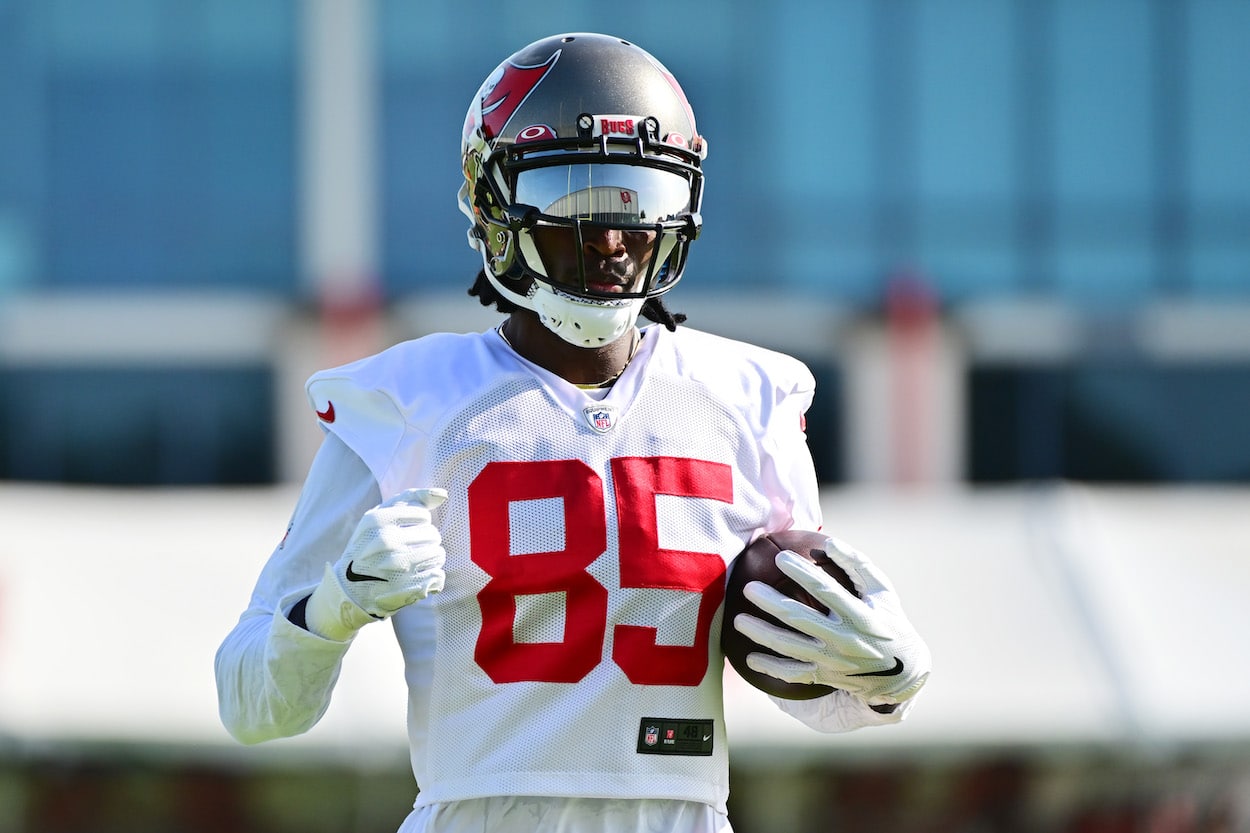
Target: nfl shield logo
600	417
652	737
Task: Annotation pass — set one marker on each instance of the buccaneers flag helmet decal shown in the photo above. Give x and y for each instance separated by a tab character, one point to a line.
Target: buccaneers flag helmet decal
503	94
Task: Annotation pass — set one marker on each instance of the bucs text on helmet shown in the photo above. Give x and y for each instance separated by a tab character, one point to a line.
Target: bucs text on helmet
584	132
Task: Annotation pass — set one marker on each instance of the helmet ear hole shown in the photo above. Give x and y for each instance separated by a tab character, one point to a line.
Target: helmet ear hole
497	249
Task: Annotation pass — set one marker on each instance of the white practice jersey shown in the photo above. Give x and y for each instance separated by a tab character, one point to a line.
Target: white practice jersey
574	649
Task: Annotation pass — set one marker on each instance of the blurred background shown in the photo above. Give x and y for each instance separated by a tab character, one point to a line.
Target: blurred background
1011	238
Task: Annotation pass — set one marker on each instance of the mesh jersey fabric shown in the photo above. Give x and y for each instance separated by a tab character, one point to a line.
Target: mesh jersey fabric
586	544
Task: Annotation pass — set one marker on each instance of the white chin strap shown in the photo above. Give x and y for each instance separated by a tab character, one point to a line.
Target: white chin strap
584	323
580	323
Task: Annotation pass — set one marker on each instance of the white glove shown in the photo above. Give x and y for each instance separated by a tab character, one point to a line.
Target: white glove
864	646
394	558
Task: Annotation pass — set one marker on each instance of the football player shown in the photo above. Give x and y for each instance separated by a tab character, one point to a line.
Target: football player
544	511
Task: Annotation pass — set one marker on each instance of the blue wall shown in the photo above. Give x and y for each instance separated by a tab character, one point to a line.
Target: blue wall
1093	151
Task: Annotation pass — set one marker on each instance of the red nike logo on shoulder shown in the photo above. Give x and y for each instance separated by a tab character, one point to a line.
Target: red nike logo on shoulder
328	414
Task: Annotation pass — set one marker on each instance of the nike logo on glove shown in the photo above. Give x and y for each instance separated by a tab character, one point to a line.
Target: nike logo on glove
892	672
352	575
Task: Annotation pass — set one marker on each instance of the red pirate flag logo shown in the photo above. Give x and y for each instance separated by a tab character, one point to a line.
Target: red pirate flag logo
504	93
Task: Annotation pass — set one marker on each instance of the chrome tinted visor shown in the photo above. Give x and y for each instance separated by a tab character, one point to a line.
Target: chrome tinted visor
611	193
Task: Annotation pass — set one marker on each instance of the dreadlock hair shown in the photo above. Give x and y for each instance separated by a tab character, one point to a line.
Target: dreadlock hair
487	295
653	309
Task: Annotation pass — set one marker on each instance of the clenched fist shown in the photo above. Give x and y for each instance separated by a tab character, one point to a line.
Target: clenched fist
394	558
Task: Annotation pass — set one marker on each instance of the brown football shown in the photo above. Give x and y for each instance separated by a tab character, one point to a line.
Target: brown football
758	563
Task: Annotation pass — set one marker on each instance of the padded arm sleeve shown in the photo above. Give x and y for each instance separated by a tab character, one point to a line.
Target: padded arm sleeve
274	679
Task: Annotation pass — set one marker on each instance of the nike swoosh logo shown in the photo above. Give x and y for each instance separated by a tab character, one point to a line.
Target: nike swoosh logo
328	414
707	737
352	575
892	672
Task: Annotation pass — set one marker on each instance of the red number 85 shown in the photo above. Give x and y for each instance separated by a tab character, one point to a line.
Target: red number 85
636	482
